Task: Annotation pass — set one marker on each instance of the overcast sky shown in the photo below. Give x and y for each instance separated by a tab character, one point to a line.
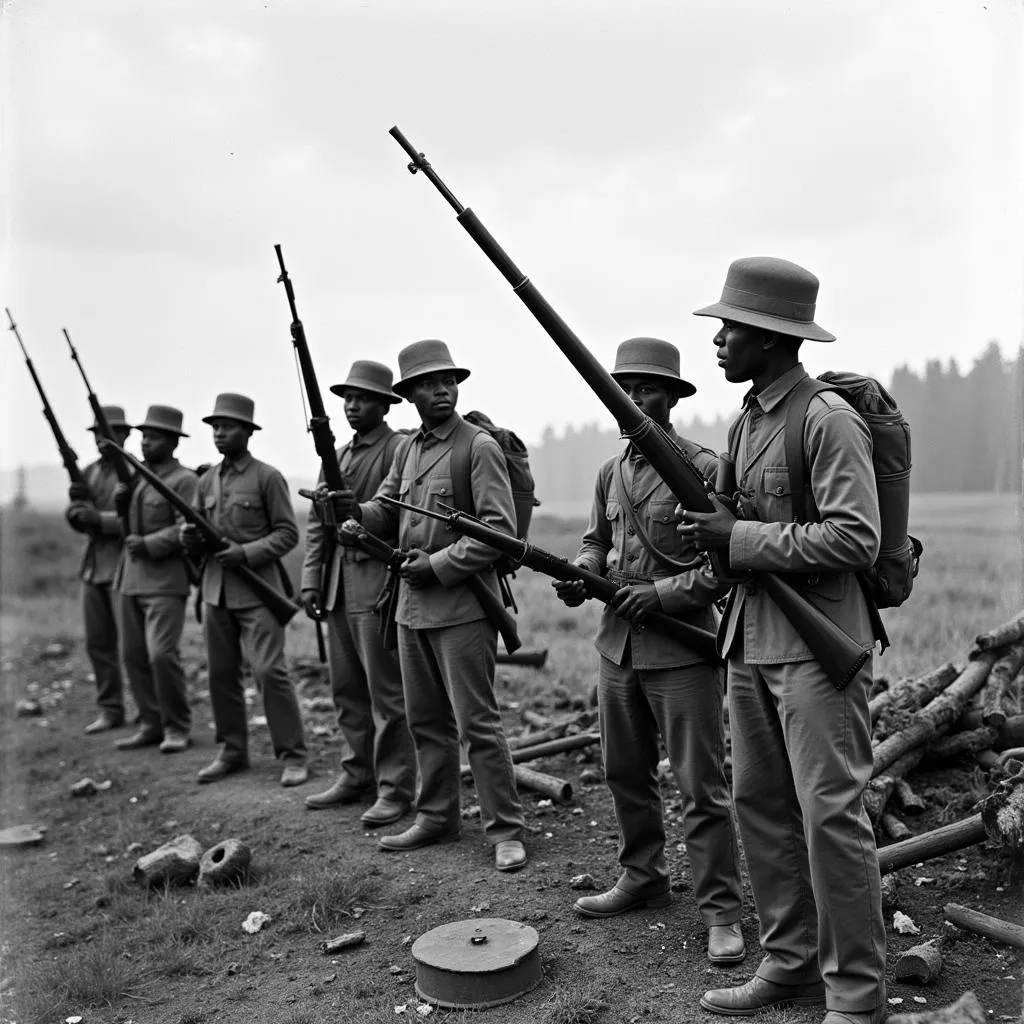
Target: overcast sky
622	152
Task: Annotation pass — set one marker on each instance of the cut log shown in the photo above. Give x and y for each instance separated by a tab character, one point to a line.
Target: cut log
1003	811
913	693
937	843
880	788
920	963
1000	680
1008	633
948	748
531	753
1009	734
987	759
891	901
340	942
937	716
557	789
893	827
535	719
966	1010
174	863
225	863
982	924
906	799
532	659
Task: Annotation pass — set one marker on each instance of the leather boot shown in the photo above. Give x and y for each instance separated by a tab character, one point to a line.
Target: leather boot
104	721
759	994
725	944
415	837
144	736
342	792
617	901
383	812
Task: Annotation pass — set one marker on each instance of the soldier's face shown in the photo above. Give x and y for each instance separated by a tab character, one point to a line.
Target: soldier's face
363	410
158	445
230	437
120	436
649	396
434	396
741	352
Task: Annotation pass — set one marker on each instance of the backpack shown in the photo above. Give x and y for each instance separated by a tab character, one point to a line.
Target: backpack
889	581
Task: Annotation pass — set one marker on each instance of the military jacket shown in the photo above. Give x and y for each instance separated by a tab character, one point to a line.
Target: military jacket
421	474
248	502
842	536
612	547
364	462
103	551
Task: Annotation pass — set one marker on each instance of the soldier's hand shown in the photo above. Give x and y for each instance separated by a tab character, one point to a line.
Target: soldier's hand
572	593
136	546
417	571
707	530
347	532
79	492
635	602
344	505
191	539
122	492
232	556
311	604
84	516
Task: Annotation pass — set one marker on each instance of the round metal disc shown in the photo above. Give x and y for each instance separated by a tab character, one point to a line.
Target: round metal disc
478	963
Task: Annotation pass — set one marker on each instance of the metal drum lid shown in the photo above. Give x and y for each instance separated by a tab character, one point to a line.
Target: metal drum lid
478	963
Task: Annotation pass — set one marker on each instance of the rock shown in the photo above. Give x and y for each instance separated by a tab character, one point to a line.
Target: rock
20	835
343	942
52	651
589	777
320	705
966	1010
27	708
86	787
582	882
176	862
228	861
255	921
890	894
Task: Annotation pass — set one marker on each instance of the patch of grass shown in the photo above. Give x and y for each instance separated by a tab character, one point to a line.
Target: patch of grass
573	1004
322	898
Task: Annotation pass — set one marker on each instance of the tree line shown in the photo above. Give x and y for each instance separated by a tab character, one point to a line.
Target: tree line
966	432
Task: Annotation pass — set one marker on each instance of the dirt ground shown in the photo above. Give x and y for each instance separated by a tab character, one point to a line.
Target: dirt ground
82	940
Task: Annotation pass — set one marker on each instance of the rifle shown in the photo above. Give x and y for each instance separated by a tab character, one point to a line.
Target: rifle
121	468
836	651
282	607
323	437
700	641
80	490
495	611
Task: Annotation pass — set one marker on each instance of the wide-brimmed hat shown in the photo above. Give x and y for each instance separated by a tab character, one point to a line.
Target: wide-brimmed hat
114	415
423	357
651	357
774	294
162	417
369	376
230	406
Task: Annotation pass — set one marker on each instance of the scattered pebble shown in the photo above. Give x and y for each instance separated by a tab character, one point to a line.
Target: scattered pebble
904	924
255	921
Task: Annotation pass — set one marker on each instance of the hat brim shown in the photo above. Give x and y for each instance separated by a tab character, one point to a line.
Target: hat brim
388	396
794	328
403	386
681	388
237	419
113	426
159	426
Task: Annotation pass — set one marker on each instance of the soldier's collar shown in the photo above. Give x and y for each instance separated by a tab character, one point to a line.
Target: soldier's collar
772	395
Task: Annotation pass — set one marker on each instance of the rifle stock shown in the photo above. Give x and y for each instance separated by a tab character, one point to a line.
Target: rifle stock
282	607
80	489
839	654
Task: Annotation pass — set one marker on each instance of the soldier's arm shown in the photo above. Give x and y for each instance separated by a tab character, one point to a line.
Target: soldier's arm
597	537
310	577
283	529
161	544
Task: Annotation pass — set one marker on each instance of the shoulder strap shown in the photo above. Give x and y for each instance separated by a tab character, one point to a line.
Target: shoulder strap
627	506
796	414
462	483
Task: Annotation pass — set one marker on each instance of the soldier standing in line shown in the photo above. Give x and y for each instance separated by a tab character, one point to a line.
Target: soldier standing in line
446	645
366	680
97	518
801	747
248	502
651	688
152	583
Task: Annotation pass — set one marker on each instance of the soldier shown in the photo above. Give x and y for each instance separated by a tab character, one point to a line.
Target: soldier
98	520
248	502
446	645
801	748
366	680
654	689
152	581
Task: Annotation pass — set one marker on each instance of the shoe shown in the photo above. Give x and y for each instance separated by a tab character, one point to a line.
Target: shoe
725	944
617	901
144	736
758	994
104	721
875	1016
219	768
383	812
415	837
295	773
174	742
509	855
341	792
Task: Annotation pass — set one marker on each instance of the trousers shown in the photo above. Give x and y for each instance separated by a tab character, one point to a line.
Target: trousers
448	676
151	627
682	708
801	759
255	635
101	645
366	685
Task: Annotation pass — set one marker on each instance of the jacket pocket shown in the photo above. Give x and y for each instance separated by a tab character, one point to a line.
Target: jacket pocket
774	501
439	491
156	513
245	511
661	525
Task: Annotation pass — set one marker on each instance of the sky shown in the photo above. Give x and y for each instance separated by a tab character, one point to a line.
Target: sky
622	153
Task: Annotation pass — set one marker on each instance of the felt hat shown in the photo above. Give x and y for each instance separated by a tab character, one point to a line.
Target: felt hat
423	357
774	294
115	418
162	417
230	406
651	357
368	376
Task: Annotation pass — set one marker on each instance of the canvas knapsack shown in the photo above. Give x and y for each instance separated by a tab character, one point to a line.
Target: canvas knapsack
889	581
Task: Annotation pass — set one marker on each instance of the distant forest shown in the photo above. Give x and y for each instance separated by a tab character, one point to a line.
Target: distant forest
965	432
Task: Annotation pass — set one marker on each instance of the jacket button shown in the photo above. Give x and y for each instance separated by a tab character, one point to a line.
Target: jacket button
414	522
419	479
779	490
630	530
630	558
636	508
750	588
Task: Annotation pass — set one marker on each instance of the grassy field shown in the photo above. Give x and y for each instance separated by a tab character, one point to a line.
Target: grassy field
80	938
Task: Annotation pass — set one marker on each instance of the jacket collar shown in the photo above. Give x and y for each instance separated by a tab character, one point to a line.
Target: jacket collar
371	437
772	395
442	432
239	465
